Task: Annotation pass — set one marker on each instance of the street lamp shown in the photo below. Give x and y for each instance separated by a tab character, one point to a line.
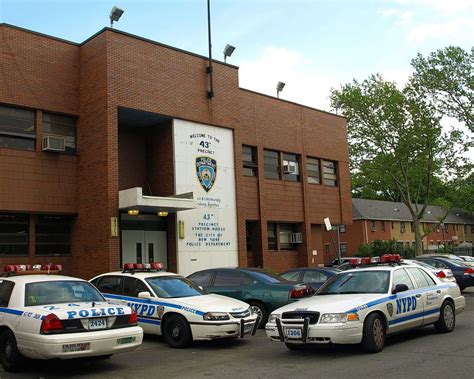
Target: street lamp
228	50
115	15
280	87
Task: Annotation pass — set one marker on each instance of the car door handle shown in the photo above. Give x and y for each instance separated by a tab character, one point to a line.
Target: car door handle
418	295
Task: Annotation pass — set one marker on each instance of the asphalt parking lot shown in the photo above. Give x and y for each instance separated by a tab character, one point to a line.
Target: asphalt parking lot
420	353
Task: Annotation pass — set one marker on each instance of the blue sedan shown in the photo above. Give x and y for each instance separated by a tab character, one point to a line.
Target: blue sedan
464	274
313	276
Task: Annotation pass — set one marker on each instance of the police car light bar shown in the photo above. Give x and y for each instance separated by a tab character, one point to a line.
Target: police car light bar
390	258
134	267
33	269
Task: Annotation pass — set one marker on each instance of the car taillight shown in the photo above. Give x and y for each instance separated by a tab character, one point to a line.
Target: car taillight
51	324
441	274
469	271
300	291
133	320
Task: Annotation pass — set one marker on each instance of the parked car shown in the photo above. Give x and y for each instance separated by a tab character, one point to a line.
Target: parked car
444	274
315	277
263	291
464	274
170	305
467	258
449	256
340	261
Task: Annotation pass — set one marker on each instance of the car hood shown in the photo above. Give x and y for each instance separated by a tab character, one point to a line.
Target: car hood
332	303
210	303
78	310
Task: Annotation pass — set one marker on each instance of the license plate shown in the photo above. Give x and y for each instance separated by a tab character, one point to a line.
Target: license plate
248	328
294	333
124	340
70	347
97	323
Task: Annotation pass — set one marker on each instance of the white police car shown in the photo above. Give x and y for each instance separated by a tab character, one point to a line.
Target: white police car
45	316
170	305
367	304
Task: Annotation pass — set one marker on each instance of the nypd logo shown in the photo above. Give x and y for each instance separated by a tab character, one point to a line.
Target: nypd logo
206	170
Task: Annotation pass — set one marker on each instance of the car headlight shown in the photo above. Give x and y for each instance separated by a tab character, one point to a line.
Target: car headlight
215	316
338	318
273	317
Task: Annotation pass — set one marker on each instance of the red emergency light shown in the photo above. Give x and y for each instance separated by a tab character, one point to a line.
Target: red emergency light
153	266
33	269
390	258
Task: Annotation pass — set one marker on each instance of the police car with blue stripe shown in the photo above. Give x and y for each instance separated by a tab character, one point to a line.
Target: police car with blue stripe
170	305
365	305
44	315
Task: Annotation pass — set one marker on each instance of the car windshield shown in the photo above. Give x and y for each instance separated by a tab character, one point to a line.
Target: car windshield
455	263
60	291
267	277
173	286
356	282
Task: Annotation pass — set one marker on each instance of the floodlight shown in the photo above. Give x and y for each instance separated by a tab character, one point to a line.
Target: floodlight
115	15
280	87
228	50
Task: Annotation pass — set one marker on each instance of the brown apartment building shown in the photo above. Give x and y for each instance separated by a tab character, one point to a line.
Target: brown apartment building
386	220
112	152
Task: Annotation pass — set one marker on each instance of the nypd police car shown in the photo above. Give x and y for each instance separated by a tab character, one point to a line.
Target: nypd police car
367	304
46	316
170	305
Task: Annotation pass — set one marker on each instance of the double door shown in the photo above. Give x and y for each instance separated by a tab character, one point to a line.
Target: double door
144	246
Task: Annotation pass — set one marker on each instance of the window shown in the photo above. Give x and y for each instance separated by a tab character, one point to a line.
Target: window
14	230
313	170
393	225
173	287
291	168
248	236
292	276
329	173
342	228
373	227
402	227
422	279
53	235
314	276
17	128
271	235
412	226
401	277
271	164
228	278
446	226
202	278
132	287
62	127
343	249
382	226
6	288
284	233
108	284
326	248
60	291
249	158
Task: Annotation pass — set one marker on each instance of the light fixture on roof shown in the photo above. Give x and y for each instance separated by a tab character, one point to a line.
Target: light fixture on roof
228	50
115	15
280	87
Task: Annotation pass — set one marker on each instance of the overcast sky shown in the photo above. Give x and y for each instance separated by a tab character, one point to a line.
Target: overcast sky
311	45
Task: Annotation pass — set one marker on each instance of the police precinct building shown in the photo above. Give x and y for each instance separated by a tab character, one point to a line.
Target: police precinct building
112	151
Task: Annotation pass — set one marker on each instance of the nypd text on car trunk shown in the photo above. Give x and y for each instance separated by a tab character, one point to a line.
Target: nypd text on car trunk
367	304
46	316
171	305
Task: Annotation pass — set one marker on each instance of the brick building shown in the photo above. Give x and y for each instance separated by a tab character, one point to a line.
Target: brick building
112	152
386	220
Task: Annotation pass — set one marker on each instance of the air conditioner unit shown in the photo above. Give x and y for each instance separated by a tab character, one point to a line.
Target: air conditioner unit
56	144
296	238
289	168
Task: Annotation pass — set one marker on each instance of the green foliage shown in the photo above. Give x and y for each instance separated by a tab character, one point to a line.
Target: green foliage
364	251
378	248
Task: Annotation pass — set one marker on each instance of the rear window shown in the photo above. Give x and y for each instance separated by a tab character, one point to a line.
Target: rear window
266	277
58	292
6	288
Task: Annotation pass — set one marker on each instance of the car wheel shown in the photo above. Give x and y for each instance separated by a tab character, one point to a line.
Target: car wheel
447	318
177	332
10	356
294	346
260	310
373	339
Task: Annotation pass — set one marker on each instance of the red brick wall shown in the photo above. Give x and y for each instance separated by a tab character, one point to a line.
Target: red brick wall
159	158
132	160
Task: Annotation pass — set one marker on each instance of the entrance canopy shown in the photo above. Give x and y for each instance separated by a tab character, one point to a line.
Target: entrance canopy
133	198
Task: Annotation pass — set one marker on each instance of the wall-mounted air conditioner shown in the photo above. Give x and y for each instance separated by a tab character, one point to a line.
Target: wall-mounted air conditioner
296	238
55	144
289	168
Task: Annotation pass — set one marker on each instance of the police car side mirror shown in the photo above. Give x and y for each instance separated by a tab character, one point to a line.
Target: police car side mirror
144	295
400	288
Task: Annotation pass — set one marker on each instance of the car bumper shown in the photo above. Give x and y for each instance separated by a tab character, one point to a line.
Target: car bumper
459	304
224	329
76	345
350	333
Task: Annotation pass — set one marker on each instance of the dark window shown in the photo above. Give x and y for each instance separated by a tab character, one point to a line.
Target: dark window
249	157
401	277
402	227
173	287
132	287
6	288
284	233
342	228
329	173
326	248
271	234
314	276
53	235
343	249
291	168
228	279
421	279
151	252
17	128
382	226
393	225
446	226
108	284
248	236
373	226
292	276
412	227
201	278
61	127
14	234
313	170
271	164
138	252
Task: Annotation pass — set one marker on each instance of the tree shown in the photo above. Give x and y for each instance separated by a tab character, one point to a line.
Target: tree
446	78
397	141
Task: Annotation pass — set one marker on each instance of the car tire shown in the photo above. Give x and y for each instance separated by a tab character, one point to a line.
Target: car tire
177	332
294	346
374	334
447	318
260	309
10	357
